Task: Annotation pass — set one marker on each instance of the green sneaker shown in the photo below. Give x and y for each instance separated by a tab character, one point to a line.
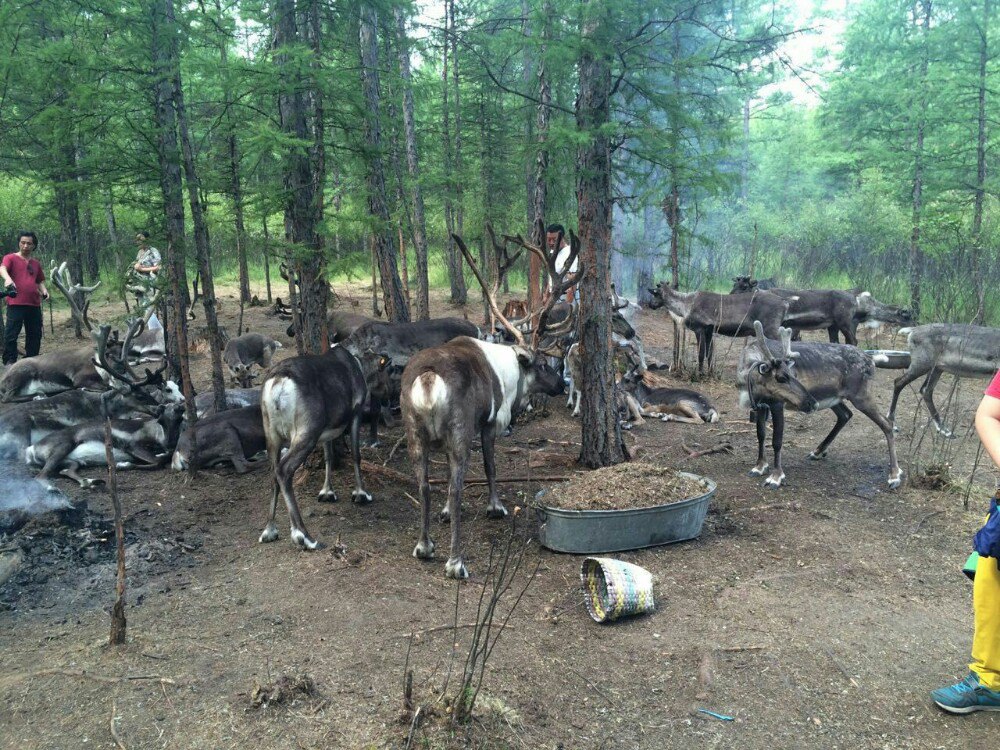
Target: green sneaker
967	696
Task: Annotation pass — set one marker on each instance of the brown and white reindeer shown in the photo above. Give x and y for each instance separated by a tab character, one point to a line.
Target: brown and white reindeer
468	389
308	400
807	378
243	352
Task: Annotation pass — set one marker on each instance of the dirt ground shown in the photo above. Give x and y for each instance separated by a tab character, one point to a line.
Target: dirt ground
818	615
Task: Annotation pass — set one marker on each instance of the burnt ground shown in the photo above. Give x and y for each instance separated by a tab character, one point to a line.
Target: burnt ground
820	614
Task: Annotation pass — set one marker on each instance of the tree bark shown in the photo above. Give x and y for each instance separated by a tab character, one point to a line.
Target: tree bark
201	242
164	52
455	277
539	194
385	249
413	168
302	194
916	260
601	444
980	190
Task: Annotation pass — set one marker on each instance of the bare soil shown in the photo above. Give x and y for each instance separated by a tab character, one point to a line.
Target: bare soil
817	615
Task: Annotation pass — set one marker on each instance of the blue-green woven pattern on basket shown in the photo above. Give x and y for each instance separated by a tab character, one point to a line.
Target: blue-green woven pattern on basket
614	588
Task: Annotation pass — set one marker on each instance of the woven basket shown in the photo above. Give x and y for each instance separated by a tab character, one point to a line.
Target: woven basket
613	588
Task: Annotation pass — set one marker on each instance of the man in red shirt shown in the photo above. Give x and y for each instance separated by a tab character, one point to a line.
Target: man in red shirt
25	282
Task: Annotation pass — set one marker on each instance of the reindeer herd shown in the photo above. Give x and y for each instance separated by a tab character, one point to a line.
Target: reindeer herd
457	384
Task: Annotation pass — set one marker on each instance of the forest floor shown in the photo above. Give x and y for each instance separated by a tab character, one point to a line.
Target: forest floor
818	615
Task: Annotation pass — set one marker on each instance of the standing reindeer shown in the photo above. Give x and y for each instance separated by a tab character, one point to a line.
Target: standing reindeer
807	377
965	351
243	352
708	313
465	389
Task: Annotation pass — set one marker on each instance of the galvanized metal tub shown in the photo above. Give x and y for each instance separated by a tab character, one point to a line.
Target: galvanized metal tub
593	531
889	359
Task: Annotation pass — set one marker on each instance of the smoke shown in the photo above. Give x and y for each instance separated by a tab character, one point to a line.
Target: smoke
20	491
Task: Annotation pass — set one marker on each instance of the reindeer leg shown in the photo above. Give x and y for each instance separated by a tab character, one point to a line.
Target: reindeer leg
843	417
288	464
270	532
458	459
495	509
760	413
358	495
418	457
579	394
70	469
375	411
914	371
709	347
778	420
327	494
869	408
927	392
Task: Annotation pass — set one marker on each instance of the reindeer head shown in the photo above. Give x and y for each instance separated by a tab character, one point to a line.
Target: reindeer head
743	284
876	312
538	375
769	375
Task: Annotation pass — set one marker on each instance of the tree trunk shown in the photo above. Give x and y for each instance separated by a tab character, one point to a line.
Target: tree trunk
644	279
980	191
302	194
413	167
601	441
539	195
455	277
267	255
527	73
458	178
916	261
164	50
201	242
385	249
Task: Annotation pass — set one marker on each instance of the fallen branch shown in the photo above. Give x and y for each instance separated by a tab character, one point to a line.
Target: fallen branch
97	678
398	476
438	628
720	448
114	732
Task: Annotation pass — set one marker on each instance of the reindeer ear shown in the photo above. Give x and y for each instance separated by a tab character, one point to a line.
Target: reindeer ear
525	357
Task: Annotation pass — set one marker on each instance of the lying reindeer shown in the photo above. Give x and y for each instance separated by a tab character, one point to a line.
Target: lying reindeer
807	377
243	352
668	404
236	398
136	444
235	436
51	373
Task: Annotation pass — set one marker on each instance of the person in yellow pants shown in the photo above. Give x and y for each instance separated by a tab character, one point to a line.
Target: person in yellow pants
980	691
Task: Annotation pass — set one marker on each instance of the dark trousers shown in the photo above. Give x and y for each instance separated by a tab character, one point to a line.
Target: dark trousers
31	318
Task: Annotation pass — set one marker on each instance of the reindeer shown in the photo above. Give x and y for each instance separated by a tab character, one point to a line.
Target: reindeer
136	444
236	398
965	351
668	404
708	313
469	388
243	352
306	400
633	354
807	377
50	373
235	436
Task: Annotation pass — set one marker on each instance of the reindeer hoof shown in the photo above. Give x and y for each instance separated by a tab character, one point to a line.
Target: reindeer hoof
814	456
302	539
269	534
444	515
424	551
895	482
455	568
361	497
371	444
774	483
758	471
327	497
496	511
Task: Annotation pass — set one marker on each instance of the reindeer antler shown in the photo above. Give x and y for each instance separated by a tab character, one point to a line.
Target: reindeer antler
490	295
762	340
76	294
118	368
786	343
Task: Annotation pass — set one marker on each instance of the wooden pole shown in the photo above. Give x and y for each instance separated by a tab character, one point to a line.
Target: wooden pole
118	623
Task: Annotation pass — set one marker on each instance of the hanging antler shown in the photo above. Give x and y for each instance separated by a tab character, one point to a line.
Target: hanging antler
118	367
76	294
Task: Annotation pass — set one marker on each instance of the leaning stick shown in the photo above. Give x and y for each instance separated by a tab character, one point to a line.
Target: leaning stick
118	622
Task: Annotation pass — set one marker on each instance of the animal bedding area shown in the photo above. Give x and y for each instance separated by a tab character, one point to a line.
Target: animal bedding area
631	485
818	615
